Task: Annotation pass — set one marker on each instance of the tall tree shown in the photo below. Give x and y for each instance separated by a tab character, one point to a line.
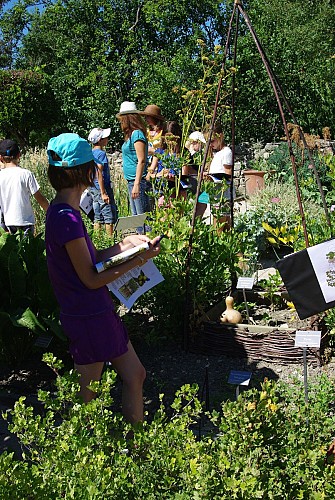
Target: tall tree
98	55
28	111
298	37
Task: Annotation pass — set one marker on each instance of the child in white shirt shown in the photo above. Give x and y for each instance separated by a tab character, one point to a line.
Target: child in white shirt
17	185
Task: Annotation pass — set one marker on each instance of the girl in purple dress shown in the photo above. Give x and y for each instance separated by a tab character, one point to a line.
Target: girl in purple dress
96	333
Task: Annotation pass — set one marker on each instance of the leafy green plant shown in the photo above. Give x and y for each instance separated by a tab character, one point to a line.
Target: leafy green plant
329	320
269	443
276	206
196	103
329	160
282	236
120	187
28	306
36	161
215	259
271	287
84	451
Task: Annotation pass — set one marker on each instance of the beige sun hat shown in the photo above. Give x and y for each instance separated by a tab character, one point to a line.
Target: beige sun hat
154	111
127	108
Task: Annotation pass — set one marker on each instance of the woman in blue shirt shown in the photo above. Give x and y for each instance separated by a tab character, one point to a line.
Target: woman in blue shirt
134	156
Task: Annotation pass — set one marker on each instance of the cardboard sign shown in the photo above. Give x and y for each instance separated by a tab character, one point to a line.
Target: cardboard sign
130	222
86	202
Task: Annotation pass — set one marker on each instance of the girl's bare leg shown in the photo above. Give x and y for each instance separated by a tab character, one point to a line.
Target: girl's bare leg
87	374
132	372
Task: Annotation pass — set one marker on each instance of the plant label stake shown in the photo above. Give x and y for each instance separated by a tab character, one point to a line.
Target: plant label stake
305	339
245	283
239	378
205	390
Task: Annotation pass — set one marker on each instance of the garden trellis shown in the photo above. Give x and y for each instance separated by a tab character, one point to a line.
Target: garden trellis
281	101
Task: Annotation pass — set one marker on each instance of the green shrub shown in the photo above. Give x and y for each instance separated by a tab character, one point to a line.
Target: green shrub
214	264
268	444
277	206
36	161
279	162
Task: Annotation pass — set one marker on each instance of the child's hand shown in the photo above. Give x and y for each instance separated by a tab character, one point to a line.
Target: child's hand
156	240
136	239
154	248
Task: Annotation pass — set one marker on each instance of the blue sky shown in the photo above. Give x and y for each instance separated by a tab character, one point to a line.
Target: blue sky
10	4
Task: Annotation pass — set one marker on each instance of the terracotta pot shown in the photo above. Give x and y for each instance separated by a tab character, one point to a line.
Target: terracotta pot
254	180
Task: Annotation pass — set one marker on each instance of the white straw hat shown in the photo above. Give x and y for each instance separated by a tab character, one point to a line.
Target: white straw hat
128	107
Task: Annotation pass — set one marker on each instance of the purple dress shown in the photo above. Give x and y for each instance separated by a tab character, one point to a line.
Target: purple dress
95	331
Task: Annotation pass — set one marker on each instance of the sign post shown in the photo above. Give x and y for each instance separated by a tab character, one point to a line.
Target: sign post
245	283
305	339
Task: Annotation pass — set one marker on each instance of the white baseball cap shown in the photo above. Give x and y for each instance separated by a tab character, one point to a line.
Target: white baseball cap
97	134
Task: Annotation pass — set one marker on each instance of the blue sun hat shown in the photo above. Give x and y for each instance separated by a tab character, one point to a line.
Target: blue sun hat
72	150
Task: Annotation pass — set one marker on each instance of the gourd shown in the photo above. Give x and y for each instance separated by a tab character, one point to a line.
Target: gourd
230	315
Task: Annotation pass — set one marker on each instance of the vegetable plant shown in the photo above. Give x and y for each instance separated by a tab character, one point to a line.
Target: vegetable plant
28	306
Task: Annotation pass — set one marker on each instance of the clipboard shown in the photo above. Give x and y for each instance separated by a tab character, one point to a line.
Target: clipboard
130	222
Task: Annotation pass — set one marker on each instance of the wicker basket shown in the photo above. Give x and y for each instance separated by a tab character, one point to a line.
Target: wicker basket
275	346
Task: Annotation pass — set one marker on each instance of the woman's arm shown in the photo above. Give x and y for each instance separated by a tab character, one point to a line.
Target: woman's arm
141	159
227	160
227	169
81	260
152	169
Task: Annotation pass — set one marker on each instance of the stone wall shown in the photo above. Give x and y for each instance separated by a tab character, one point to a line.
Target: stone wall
246	151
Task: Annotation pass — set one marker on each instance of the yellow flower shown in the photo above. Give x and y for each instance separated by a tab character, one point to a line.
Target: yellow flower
251	406
272	406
